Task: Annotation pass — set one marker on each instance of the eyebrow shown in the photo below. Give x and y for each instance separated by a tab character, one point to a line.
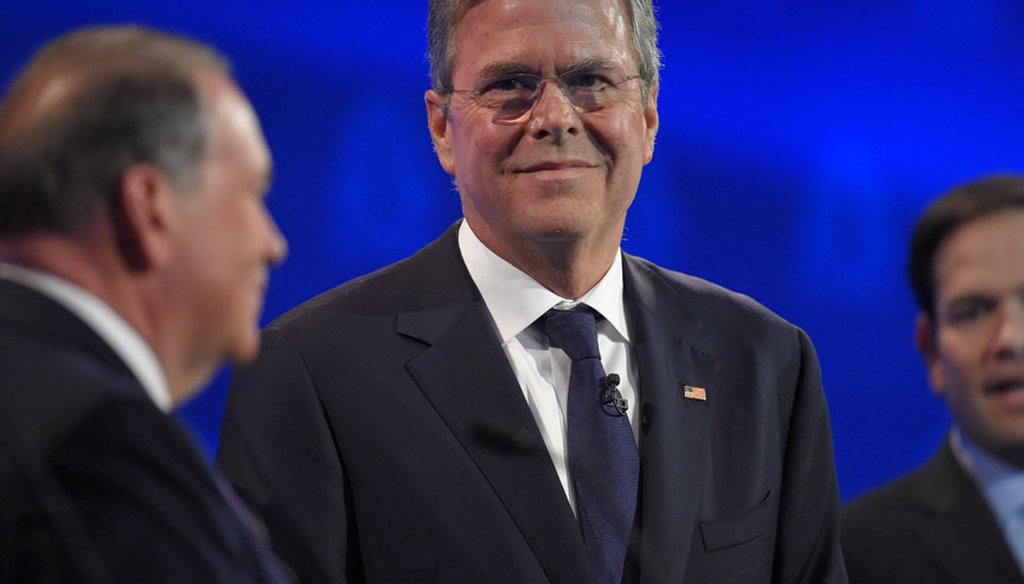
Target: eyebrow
970	297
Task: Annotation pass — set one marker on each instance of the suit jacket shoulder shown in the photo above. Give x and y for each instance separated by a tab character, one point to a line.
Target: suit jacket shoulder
96	472
56	369
931	525
433	277
737	312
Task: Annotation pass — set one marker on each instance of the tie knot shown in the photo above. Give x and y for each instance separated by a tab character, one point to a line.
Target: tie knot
573	331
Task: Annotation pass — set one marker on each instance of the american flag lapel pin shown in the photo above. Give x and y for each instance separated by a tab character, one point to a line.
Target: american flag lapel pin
694	392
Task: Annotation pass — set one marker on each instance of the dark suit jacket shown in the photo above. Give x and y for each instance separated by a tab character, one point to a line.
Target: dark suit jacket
97	483
932	526
383	437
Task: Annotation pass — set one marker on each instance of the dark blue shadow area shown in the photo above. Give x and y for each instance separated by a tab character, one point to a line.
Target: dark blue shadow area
799	140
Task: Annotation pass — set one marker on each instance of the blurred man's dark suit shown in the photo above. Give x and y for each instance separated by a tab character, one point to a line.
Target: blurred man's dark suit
89	465
384	437
932	526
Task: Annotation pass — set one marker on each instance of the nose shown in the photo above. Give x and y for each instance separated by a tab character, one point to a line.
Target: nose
553	115
1010	334
277	245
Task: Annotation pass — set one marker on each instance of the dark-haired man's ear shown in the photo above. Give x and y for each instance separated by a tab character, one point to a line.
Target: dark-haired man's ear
925	338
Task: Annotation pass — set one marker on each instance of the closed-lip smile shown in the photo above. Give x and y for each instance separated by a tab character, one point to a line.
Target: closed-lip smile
555	165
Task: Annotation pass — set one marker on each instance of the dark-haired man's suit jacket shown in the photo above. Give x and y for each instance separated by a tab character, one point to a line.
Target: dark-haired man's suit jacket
383	437
96	483
932	526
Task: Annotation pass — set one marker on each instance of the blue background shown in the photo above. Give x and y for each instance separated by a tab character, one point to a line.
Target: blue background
799	141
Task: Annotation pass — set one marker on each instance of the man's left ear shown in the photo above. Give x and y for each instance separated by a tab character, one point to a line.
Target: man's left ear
652	121
145	213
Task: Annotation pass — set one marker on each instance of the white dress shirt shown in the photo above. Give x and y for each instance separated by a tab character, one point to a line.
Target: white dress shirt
515	301
124	340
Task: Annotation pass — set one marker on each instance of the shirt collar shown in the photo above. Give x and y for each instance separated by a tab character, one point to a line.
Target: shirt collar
1001	482
124	340
515	300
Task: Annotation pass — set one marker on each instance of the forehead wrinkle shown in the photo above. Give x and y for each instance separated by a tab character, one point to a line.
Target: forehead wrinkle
503	69
592	64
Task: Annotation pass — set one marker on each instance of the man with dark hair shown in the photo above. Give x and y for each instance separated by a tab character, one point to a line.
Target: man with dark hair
960	517
520	401
134	254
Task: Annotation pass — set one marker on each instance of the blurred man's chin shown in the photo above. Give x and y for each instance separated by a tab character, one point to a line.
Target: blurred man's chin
244	350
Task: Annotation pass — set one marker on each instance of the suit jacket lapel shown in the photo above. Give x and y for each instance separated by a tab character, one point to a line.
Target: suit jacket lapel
963	536
673	442
465	374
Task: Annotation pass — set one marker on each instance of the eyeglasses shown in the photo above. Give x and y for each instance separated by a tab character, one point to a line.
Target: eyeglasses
511	96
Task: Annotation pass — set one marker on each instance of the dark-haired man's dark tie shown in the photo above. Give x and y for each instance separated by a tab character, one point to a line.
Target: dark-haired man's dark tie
603	457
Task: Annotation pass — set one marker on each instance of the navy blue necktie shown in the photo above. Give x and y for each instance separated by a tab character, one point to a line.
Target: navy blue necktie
603	457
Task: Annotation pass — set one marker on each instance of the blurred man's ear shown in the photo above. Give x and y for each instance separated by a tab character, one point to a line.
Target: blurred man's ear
437	123
145	217
927	343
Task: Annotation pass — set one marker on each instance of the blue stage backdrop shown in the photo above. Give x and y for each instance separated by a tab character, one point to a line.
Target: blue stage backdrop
799	141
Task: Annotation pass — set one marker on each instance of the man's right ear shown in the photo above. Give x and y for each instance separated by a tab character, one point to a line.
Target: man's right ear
440	129
926	342
145	214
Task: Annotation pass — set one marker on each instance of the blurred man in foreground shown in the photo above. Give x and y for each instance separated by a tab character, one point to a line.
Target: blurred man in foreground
960	517
134	255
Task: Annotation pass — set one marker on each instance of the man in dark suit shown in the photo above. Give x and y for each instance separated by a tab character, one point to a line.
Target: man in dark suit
437	421
134	251
960	517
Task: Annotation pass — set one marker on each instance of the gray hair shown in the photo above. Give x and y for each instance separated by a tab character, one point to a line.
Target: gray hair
132	99
444	15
